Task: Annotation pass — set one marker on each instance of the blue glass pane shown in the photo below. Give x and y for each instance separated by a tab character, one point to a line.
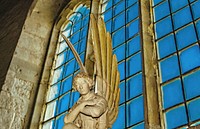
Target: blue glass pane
186	36
132	13
133	65
85	21
75	37
76	46
122	92
139	126
57	75
75	17
120	52
161	10
195	9
172	94
198	28
191	84
166	46
109	26
107	5
163	27
61	59
87	11
67	32
77	26
60	122
48	124
74	98
66	85
82	46
120	121
169	68
155	2
190	58
63	46
70	54
134	86
84	32
182	17
81	9
63	104
67	29
107	15
119	8
118	37
116	1
69	68
135	111
50	110
121	68
193	108
119	21
53	92
130	2
176	117
68	26
133	46
132	29
175	4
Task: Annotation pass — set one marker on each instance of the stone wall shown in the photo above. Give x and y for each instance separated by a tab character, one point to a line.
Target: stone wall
12	17
14	100
18	94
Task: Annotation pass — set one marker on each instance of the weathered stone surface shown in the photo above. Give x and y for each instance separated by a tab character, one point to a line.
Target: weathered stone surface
12	17
17	98
14	104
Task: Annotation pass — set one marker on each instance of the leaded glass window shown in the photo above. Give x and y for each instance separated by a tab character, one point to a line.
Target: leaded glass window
123	22
176	33
61	97
176	25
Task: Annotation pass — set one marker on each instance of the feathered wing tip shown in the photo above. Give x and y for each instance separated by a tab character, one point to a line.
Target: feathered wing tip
108	77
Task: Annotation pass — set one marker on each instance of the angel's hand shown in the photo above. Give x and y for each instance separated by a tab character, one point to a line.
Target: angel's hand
89	102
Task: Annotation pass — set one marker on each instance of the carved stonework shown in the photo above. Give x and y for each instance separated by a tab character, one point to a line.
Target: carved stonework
90	110
96	110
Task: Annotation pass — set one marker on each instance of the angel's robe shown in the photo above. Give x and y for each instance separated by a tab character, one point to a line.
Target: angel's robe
84	121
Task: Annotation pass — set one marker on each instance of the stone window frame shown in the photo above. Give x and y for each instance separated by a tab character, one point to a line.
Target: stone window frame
152	116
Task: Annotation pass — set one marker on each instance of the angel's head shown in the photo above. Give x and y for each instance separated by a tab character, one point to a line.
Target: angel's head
82	83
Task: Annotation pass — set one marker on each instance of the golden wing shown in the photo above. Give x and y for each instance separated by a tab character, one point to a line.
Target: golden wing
108	77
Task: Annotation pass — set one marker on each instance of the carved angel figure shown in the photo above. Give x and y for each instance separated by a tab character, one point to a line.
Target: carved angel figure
96	110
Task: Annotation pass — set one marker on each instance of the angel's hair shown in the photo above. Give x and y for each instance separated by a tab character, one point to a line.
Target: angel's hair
85	77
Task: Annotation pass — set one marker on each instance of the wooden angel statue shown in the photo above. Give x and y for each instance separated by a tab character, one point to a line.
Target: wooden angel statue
96	110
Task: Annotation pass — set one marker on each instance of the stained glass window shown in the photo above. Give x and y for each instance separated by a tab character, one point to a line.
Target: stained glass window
176	34
123	22
176	25
61	97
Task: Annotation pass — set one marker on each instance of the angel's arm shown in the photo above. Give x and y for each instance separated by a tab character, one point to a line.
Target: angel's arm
76	109
73	113
96	110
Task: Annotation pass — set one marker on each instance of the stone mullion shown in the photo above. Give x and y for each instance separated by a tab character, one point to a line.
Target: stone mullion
152	116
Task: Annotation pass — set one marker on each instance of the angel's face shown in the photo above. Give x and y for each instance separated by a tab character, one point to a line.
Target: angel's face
82	86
